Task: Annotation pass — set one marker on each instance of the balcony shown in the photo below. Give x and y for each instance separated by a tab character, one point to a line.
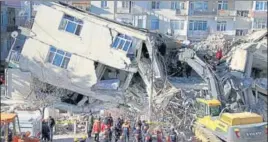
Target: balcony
14	59
198	34
123	10
202	13
226	13
181	12
258	14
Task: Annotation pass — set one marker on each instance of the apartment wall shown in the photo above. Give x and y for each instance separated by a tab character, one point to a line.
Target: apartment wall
94	41
107	12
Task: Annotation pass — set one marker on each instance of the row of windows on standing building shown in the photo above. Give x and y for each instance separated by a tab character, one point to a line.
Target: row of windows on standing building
74	26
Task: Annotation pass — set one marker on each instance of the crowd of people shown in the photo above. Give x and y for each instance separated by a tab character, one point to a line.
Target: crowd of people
123	130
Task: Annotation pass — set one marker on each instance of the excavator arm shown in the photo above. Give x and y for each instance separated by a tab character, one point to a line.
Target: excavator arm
203	69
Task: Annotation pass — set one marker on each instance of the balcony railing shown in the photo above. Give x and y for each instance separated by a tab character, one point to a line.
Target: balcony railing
227	13
257	14
198	34
181	12
123	10
14	58
202	13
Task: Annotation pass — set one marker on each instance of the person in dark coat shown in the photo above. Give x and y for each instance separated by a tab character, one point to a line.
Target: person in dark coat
90	125
51	124
118	129
45	131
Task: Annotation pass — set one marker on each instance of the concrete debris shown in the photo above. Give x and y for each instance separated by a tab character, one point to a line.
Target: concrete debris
212	44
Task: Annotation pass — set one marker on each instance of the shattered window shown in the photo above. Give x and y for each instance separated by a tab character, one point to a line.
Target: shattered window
58	57
122	42
71	24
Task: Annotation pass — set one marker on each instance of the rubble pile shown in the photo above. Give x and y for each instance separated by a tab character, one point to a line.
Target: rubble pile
213	43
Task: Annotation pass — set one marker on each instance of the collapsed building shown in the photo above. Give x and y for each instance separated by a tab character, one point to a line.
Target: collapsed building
94	60
85	62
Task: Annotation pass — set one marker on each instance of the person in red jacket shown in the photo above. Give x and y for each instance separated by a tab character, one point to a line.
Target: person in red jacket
97	129
219	54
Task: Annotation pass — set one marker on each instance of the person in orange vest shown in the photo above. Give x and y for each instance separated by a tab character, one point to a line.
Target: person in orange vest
97	129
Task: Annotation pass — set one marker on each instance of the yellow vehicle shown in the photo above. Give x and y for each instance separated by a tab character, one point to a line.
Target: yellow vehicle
10	129
212	125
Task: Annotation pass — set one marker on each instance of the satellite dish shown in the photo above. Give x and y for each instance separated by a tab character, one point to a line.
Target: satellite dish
14	34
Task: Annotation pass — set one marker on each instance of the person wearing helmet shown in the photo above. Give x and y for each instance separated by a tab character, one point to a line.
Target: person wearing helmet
76	140
84	139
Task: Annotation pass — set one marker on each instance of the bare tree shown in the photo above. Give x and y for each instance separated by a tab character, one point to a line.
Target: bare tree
44	95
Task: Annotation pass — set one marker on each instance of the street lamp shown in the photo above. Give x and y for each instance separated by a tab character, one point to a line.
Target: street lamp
14	35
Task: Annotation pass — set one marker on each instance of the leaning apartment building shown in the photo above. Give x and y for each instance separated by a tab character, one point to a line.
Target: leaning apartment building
92	57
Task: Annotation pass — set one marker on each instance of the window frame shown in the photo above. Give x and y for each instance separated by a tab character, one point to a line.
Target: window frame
263	5
175	5
55	53
122	37
104	4
125	4
221	26
158	21
194	25
64	22
155	5
259	22
180	25
223	5
203	3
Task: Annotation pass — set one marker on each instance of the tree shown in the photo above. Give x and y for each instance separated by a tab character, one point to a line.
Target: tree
43	95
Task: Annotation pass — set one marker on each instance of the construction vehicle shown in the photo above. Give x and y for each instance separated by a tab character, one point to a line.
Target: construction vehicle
10	130
211	123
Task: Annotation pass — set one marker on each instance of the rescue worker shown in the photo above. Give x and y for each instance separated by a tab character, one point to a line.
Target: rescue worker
118	129
159	134
109	122
106	134
219	54
84	139
144	129
148	136
172	136
138	134
90	125
76	140
97	129
126	131
45	131
51	124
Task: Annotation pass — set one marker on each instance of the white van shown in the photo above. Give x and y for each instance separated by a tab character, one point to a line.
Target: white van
30	121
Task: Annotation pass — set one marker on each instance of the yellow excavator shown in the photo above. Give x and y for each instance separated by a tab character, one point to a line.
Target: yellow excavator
214	125
10	129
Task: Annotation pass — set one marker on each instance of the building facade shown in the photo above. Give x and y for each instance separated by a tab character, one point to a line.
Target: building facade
83	53
8	25
188	20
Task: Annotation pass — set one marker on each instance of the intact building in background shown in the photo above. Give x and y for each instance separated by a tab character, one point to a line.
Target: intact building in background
188	20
